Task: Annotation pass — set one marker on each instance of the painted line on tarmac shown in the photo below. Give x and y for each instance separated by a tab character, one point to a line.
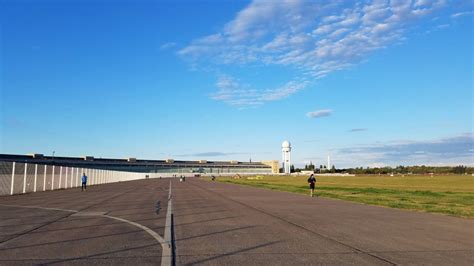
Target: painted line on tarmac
144	228
167	257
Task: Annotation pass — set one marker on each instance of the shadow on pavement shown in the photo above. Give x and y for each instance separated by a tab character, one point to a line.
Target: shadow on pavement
216	233
236	252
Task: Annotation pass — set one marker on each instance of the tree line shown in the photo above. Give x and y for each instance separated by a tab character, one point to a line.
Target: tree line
415	169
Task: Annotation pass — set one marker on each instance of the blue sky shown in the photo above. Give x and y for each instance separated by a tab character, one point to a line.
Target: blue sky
370	83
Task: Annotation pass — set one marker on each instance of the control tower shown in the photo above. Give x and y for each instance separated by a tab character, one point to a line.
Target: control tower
286	154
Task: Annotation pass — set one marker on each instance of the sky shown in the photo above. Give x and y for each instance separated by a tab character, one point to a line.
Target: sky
369	83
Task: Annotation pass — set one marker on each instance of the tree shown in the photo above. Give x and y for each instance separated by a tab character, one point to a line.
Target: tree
309	167
292	169
460	169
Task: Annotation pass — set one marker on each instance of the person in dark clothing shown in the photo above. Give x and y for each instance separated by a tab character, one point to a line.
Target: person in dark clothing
84	182
312	183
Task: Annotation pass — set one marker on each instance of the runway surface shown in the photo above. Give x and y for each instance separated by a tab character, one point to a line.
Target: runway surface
33	235
221	224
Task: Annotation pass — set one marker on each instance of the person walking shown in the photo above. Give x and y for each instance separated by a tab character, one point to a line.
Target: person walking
312	183
84	182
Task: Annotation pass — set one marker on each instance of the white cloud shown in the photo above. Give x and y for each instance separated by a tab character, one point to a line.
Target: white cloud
319	113
167	45
453	150
419	3
460	14
234	93
442	26
315	38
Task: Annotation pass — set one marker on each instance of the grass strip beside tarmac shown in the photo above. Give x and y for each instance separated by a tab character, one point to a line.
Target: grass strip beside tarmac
451	195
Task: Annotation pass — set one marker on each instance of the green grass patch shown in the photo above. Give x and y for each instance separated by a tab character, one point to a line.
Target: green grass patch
452	195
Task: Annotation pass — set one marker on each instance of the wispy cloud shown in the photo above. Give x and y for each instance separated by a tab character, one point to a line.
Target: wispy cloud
167	45
358	129
315	38
450	151
233	92
319	113
461	14
442	26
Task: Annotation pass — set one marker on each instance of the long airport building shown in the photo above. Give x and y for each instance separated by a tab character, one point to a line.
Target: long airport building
148	166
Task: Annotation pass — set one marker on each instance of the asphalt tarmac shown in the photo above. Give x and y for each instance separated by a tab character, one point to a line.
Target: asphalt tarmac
224	224
82	227
221	224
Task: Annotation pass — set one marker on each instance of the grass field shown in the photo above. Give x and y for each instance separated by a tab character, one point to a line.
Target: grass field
452	195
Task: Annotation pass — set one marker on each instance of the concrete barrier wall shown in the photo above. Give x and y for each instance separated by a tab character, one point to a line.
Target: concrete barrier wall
20	178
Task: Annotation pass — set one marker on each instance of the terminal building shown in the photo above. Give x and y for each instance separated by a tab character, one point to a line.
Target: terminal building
149	166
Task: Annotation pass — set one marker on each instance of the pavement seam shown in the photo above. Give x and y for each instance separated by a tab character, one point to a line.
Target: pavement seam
358	250
36	207
33	229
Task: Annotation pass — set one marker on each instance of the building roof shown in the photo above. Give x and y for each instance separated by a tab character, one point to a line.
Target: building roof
90	160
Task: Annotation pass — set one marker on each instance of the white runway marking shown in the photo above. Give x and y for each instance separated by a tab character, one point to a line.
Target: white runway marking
146	229
167	255
86	213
